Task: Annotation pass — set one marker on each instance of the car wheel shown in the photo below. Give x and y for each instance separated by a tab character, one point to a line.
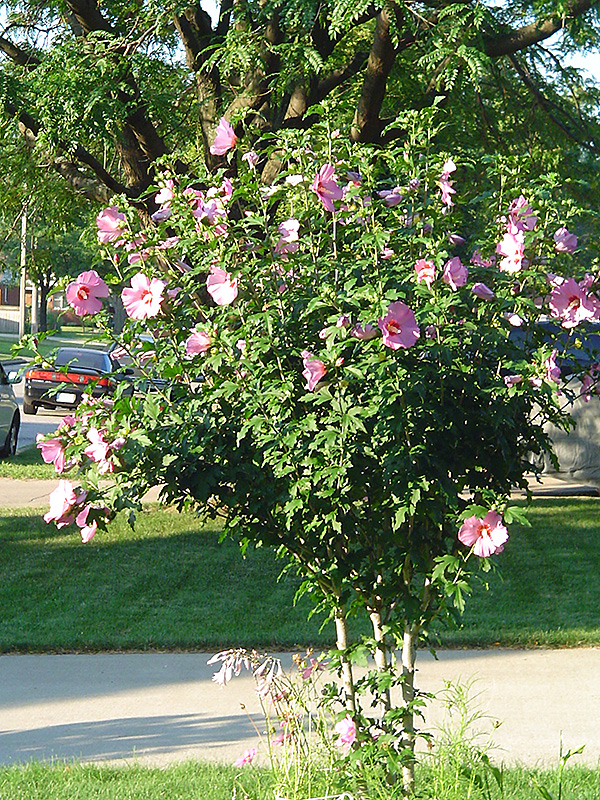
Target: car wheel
29	408
10	445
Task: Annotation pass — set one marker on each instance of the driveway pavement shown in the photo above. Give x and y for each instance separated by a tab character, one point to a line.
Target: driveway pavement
34	494
157	709
19	494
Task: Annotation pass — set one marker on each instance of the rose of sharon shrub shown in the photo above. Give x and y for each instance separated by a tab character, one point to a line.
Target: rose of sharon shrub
340	385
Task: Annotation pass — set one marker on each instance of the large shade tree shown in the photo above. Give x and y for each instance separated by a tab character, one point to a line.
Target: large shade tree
56	221
102	92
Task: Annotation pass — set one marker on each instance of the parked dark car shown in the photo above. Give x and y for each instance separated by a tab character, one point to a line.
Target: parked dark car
577	348
10	419
75	370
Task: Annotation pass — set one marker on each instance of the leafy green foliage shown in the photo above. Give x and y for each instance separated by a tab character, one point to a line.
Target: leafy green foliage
342	406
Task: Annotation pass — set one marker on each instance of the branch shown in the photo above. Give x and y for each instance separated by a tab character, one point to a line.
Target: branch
324	43
546	105
18	55
367	125
195	29
150	145
508	42
99	190
338	77
88	15
225	17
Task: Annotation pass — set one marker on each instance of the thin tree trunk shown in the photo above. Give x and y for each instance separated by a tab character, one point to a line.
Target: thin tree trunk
341	631
408	695
381	657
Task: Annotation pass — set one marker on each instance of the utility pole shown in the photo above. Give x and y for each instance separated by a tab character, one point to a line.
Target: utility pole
35	308
22	307
35	293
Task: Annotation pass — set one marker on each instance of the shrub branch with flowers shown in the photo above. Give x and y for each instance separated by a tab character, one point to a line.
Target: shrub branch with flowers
340	380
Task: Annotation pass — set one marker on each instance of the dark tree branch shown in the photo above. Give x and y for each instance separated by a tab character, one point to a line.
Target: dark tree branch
324	43
88	15
366	126
195	29
512	41
549	107
19	56
225	18
140	144
338	77
100	188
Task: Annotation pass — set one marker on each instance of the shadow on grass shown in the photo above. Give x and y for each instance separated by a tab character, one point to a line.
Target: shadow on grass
163	585
171	584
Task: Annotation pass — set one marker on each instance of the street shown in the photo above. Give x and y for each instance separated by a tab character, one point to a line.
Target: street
43	422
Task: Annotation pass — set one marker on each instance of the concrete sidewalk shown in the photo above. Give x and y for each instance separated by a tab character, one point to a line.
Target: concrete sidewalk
34	494
157	709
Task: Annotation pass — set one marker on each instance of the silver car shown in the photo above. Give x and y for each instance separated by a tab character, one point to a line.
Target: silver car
10	419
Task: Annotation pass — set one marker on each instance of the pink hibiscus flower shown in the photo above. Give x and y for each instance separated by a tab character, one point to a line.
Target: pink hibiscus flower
62	500
313	371
288	241
486	536
552	368
391	197
512	248
110	222
455	273
225	138
482	291
399	326
589	383
326	187
166	194
143	299
221	286
364	334
425	271
521	216
346	731
246	758
87	530
572	303
53	452
197	342
84	293
565	242
445	184
512	380
479	261
98	448
251	158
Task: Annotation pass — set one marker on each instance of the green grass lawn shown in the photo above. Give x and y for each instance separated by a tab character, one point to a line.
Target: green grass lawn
27	465
75	336
203	781
169	584
165	585
547	591
76	782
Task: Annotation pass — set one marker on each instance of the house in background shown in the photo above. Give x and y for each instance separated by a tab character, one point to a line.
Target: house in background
58	304
9	305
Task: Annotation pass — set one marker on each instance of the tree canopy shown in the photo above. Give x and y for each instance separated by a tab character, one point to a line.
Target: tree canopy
103	93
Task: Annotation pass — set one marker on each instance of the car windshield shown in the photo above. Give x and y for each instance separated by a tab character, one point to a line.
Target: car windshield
85	359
